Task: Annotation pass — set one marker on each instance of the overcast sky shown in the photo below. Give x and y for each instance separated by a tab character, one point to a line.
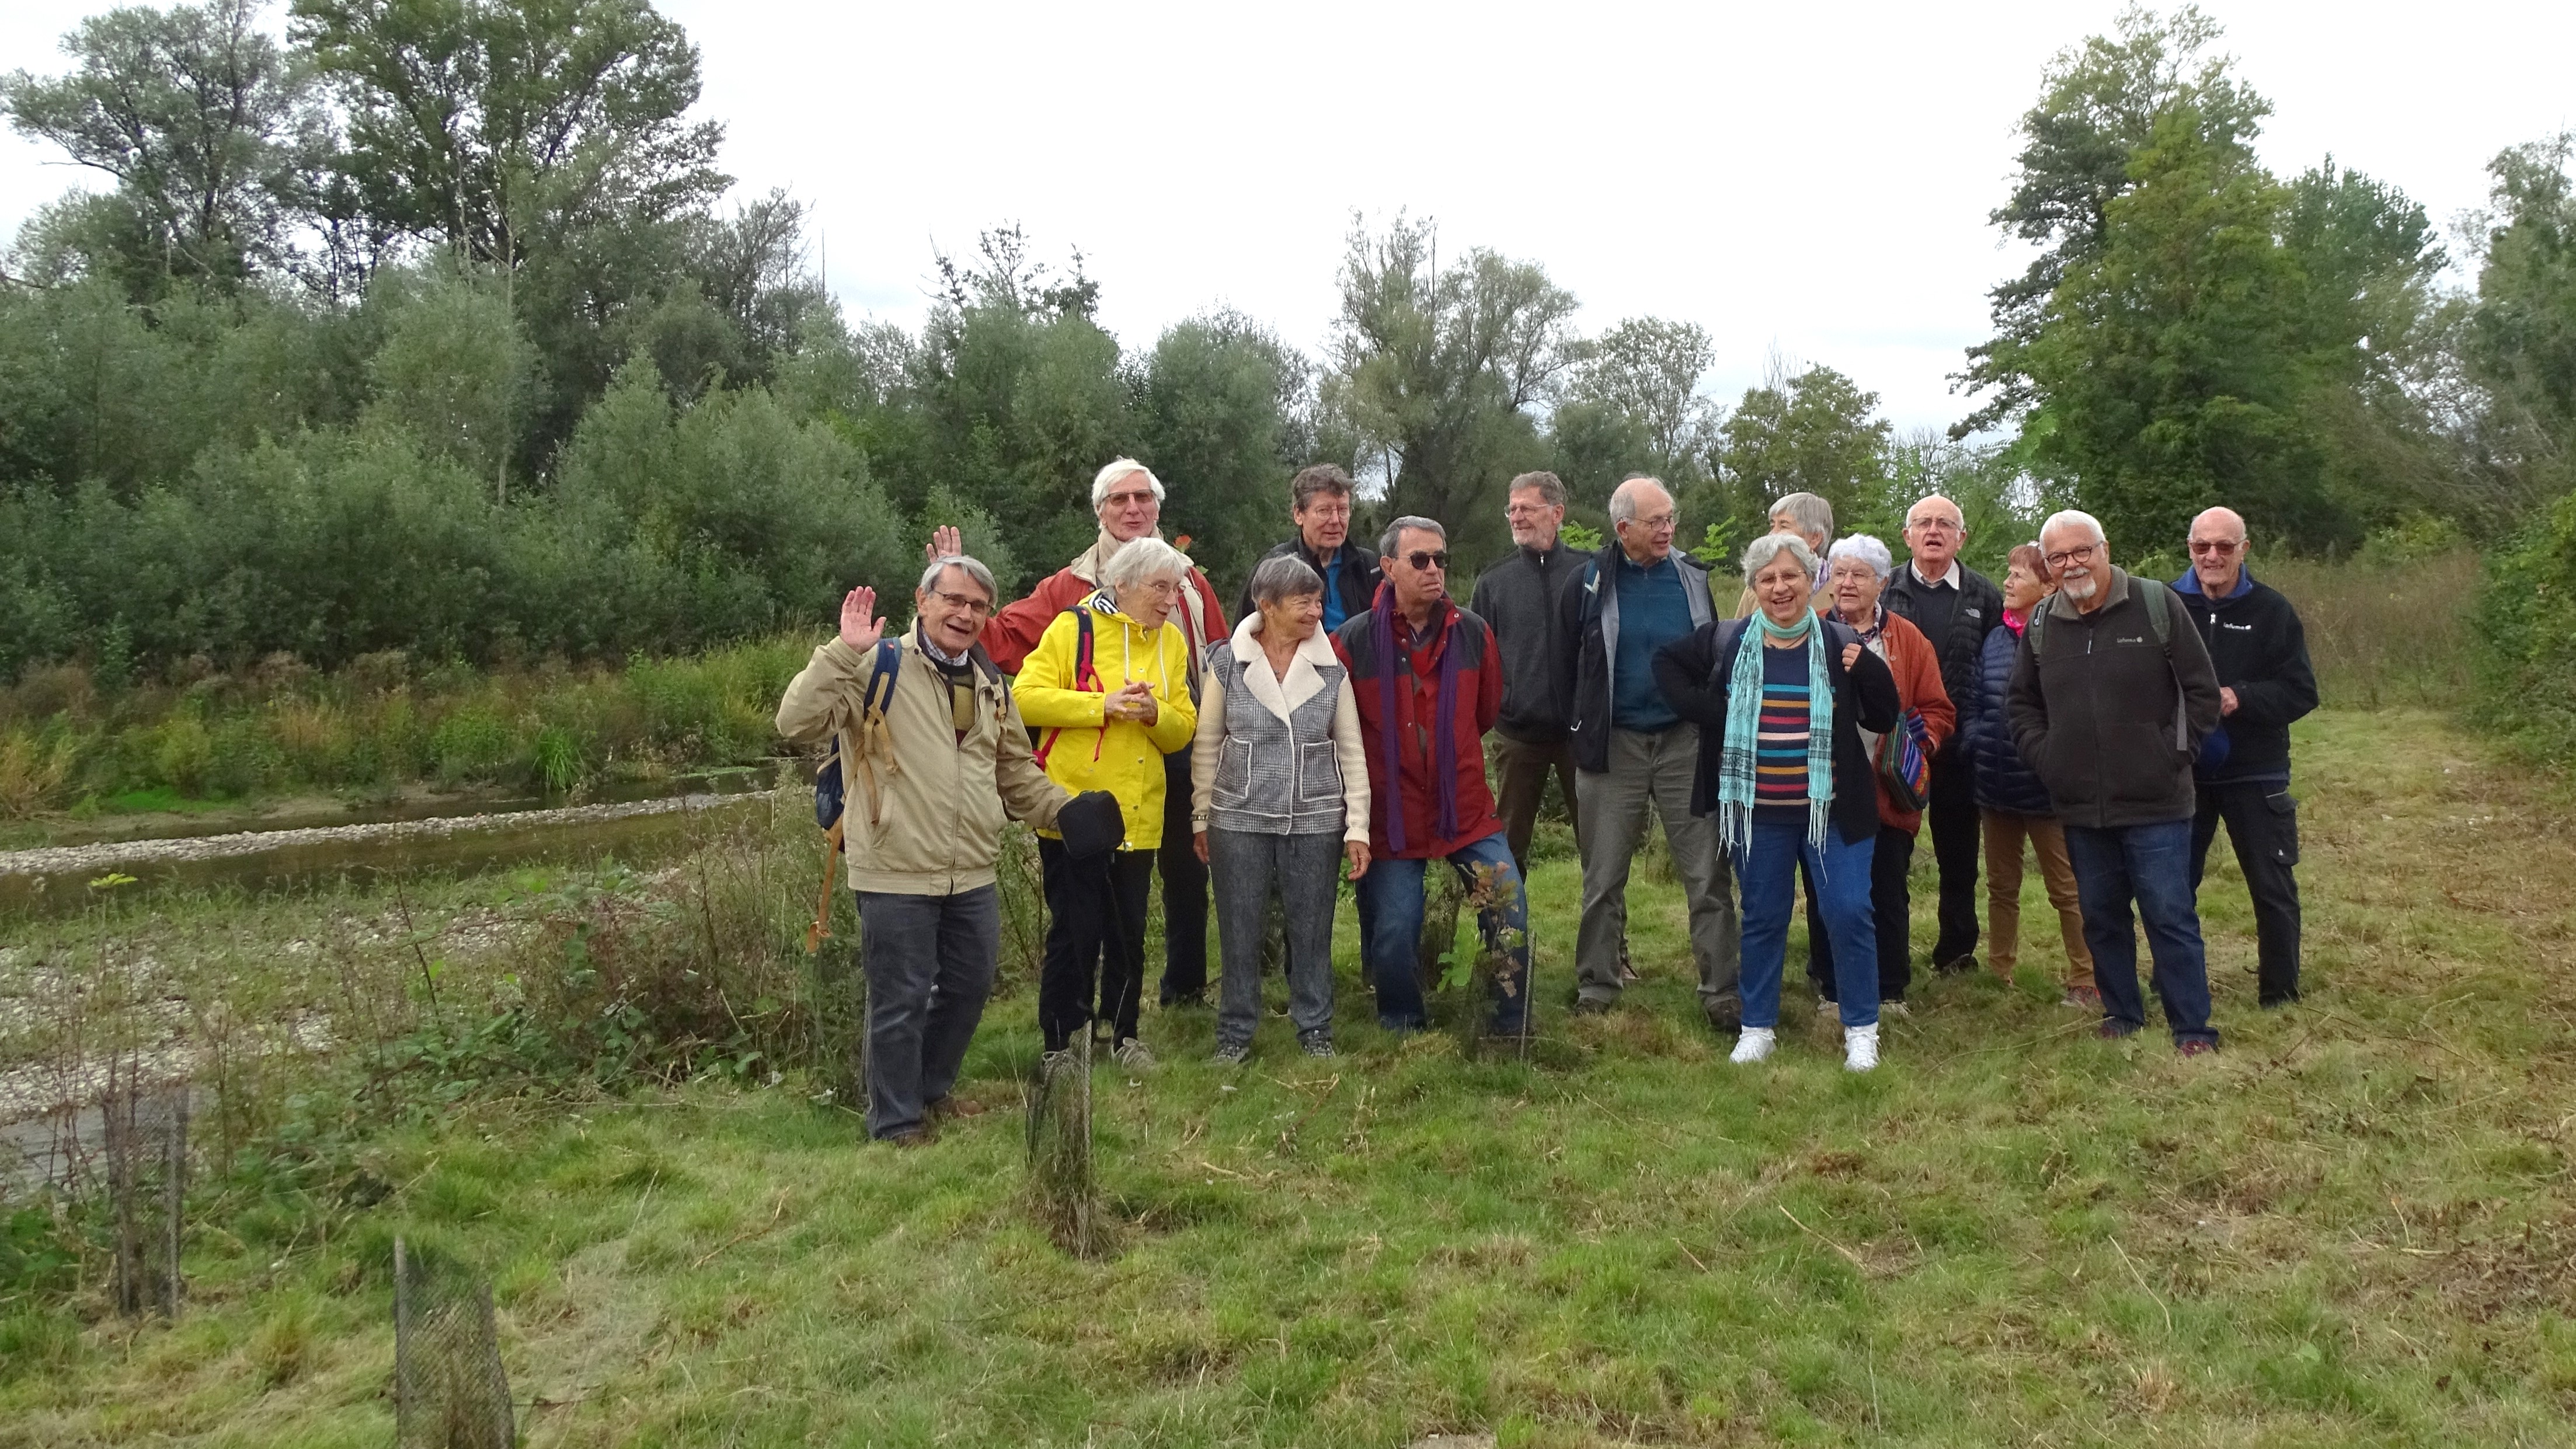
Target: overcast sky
1808	179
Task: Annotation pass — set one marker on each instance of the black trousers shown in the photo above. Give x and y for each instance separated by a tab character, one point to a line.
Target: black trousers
1890	911
1951	817
2263	824
1185	889
1095	933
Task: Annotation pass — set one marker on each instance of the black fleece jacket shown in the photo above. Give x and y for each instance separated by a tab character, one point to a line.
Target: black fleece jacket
2093	707
1696	671
2259	650
1359	575
1517	598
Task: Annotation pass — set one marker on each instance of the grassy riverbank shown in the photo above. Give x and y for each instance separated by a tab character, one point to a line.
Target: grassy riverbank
2355	1226
71	744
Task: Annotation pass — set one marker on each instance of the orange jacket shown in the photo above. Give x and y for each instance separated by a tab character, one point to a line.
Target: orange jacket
1911	658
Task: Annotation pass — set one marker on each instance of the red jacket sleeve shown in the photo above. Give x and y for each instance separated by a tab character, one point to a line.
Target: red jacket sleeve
1218	628
1011	633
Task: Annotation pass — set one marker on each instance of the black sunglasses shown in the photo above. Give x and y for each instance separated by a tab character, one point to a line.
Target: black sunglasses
1429	559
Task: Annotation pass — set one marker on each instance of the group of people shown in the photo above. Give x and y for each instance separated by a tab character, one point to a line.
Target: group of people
1341	728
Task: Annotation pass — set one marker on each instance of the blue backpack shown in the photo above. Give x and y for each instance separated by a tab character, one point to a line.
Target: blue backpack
831	791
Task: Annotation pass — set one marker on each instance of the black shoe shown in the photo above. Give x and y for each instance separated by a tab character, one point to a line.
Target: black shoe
1725	1017
1956	965
1591	1006
1193	999
2111	1030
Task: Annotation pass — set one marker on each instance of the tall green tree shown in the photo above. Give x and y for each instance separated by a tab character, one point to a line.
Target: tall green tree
208	127
2101	103
2174	364
1634	405
1222	418
1815	431
2519	341
1436	369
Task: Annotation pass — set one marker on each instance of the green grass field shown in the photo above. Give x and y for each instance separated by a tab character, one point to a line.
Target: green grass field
2354	1226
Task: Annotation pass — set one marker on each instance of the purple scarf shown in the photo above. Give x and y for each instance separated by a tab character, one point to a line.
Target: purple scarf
1393	661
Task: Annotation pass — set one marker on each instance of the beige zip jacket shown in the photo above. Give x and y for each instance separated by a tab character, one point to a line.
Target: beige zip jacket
928	820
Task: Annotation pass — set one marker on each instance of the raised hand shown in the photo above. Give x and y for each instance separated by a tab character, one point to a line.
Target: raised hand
944	542
860	626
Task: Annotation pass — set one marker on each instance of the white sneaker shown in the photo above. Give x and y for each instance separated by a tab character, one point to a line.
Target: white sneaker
1860	1047
1752	1045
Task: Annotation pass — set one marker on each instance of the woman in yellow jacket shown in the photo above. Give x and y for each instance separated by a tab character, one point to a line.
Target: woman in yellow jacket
1108	708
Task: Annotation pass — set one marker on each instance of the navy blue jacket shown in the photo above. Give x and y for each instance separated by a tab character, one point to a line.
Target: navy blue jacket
2003	781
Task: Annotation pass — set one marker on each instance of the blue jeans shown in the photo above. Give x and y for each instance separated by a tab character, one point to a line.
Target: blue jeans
1839	869
2150	864
1391	930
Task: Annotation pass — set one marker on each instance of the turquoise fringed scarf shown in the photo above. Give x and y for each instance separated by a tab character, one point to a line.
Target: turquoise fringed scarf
1741	751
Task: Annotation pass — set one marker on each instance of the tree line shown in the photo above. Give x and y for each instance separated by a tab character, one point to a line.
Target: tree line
437	326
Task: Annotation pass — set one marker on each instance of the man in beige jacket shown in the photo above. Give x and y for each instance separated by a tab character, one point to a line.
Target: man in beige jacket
926	799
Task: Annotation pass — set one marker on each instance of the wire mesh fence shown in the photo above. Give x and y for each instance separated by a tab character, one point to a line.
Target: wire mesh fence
1059	1131
449	1388
142	1159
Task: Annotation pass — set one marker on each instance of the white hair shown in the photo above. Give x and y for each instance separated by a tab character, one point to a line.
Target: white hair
1769	546
1623	499
1139	559
2075	518
1107	478
974	570
1865	548
1808	513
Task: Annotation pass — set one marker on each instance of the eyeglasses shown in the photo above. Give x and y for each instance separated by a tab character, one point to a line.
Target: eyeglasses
1938	525
1660	523
1861	573
1429	559
965	602
2221	547
2076	554
1326	509
1135	498
1526	510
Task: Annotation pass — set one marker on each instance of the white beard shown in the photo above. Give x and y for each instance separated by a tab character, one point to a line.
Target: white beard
2074	589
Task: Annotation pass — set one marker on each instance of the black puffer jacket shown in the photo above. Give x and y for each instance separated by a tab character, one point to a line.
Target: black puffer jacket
2004	782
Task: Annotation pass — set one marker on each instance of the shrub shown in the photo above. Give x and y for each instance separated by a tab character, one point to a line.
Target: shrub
2526	636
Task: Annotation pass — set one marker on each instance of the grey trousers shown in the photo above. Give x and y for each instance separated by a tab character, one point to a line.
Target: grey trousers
929	962
1244	867
1656	769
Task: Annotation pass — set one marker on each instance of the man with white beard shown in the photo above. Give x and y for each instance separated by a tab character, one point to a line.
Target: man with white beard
2111	696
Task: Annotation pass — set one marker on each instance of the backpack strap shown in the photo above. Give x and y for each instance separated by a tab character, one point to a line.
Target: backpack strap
2160	619
1086	675
875	737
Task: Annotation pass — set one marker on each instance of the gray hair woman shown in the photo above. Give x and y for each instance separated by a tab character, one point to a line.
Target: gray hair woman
1781	699
1280	794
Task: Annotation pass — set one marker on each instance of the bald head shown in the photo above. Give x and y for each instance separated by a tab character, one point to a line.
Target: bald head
2218	551
1934	529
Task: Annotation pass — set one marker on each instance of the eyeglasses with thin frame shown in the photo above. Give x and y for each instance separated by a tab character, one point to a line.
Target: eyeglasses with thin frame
2221	547
966	602
1423	558
1938	524
1128	498
1660	523
2076	554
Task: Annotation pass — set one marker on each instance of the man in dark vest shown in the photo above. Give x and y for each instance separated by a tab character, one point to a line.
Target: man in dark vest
1954	606
1517	597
